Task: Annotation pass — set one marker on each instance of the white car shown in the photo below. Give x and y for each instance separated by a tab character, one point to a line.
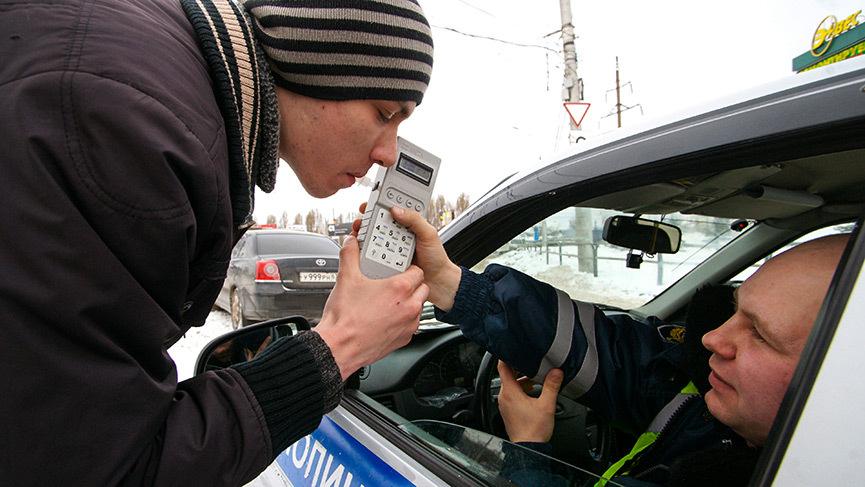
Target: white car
742	179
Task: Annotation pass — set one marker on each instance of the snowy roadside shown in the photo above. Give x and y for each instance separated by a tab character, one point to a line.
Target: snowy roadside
185	352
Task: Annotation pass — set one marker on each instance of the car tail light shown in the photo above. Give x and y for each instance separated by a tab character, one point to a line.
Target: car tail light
267	270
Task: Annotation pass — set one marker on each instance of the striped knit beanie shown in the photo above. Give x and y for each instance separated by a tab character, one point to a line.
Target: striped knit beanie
346	49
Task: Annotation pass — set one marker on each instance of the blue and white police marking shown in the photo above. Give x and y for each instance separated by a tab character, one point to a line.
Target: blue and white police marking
341	453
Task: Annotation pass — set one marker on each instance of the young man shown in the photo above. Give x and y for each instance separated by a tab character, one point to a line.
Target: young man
133	134
628	372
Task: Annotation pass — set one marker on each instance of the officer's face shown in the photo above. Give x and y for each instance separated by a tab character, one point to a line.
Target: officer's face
756	351
330	144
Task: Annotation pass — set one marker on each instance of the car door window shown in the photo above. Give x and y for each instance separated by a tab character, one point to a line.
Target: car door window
497	461
566	250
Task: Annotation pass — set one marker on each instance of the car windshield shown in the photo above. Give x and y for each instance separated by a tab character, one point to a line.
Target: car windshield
566	250
273	244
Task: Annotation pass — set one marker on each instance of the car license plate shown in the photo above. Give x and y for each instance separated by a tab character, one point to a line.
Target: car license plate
318	277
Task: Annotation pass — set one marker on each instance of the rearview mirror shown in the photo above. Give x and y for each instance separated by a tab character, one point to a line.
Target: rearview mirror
642	234
246	343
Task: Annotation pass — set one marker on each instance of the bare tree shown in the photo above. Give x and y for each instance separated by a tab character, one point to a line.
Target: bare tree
271	219
283	221
298	219
461	204
310	221
431	215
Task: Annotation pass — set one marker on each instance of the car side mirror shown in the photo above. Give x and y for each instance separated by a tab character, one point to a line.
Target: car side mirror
244	344
642	234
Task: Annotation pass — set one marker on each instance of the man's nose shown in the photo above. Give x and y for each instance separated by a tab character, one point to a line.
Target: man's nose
384	151
718	341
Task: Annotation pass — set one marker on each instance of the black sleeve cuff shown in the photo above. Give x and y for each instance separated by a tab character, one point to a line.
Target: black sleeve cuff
330	374
293	381
471	301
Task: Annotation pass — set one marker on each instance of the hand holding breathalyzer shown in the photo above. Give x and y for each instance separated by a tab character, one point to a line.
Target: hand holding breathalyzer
387	246
439	273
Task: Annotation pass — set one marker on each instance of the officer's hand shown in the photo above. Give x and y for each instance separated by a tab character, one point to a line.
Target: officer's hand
440	274
526	418
366	319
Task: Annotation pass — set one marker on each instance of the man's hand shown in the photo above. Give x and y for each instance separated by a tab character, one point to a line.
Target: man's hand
528	419
440	274
366	319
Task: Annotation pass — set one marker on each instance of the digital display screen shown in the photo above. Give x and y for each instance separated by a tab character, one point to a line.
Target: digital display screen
415	169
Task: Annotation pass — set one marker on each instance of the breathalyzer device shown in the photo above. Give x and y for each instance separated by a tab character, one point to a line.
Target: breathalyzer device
386	247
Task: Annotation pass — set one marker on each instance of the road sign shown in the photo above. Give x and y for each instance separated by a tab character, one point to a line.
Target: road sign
577	110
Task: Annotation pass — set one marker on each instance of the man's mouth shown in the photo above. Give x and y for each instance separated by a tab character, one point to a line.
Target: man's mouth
357	175
718	382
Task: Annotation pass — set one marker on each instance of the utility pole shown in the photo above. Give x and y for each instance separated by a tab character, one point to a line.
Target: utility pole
573	91
619	106
618	94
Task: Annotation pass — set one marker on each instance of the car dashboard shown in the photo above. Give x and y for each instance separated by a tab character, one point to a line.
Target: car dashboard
430	378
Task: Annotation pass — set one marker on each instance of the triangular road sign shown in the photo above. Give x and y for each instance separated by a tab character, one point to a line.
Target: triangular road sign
577	111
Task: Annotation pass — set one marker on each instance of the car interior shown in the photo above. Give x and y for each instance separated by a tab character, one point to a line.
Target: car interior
731	217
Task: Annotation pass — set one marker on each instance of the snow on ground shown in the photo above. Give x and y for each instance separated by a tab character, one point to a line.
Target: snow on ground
185	352
615	284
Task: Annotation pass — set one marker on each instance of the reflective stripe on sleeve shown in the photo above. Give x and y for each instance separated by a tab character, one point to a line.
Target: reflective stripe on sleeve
561	345
563	342
588	372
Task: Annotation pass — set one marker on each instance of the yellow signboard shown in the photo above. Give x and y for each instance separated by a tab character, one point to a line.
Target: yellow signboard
856	50
830	28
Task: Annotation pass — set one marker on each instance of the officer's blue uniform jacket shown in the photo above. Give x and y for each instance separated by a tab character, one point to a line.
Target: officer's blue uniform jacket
623	369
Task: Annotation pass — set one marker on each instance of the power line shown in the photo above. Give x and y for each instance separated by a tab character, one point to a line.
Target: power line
476	8
494	39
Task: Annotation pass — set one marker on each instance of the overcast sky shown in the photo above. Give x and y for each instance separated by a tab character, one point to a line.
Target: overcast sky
495	107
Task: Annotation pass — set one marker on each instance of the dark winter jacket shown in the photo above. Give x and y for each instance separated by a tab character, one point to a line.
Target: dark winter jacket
625	370
116	231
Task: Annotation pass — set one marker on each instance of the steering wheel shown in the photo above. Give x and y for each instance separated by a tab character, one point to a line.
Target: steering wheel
580	437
